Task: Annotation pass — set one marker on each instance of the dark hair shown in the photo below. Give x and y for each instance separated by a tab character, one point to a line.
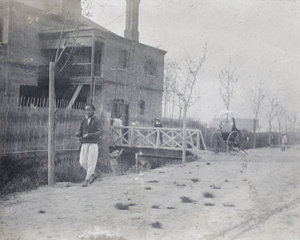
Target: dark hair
90	105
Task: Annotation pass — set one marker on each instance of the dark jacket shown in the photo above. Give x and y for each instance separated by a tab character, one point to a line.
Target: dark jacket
94	130
157	123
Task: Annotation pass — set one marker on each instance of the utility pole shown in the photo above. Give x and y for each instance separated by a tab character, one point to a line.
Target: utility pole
51	150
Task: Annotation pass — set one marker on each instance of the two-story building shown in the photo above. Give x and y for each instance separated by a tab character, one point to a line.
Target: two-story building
117	74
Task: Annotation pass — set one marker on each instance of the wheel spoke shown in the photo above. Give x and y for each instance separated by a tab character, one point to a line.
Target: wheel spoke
216	141
234	142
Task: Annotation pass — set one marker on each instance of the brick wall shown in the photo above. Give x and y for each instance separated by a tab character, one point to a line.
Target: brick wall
26	57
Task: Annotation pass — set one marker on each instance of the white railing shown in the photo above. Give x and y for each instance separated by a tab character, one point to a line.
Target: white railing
150	137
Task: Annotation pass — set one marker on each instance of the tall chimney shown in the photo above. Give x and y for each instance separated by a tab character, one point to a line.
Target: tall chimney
132	20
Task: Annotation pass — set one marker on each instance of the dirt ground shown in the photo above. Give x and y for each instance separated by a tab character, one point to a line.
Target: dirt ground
253	196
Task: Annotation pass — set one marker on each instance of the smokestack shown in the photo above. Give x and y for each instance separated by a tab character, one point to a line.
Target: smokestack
132	20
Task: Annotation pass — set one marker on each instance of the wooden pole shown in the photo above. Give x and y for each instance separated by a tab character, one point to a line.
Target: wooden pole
137	162
51	153
93	70
157	138
184	135
254	133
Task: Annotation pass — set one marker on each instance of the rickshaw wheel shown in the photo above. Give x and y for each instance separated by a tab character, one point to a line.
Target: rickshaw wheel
234	142
216	141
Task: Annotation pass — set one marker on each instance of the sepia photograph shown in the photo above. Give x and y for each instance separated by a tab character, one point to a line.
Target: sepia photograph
149	119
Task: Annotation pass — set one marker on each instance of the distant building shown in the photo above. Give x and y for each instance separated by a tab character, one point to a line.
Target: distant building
241	123
118	74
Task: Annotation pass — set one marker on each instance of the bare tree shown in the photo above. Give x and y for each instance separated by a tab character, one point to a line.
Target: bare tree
227	82
186	75
258	95
53	71
167	94
271	113
279	114
170	86
291	120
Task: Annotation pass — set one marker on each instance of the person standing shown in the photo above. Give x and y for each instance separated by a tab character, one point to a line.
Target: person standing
283	142
158	124
117	132
89	133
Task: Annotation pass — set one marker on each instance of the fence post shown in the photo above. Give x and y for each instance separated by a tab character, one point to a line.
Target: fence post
198	140
157	139
173	140
131	137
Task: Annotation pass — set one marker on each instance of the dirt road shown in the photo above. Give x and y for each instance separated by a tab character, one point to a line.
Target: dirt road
253	196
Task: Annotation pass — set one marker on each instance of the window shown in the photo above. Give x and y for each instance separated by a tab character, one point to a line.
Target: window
117	107
124	57
141	105
98	57
150	67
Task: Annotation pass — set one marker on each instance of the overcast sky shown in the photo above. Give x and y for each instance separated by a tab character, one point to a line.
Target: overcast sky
261	38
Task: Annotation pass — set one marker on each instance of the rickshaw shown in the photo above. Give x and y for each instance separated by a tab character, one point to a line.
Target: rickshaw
227	135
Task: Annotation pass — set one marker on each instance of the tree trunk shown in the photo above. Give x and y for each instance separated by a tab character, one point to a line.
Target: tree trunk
270	132
254	133
184	135
173	107
279	132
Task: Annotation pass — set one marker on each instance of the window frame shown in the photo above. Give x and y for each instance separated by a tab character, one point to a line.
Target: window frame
142	106
124	59
150	67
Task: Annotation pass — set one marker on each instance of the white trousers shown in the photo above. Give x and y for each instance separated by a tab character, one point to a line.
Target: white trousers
88	158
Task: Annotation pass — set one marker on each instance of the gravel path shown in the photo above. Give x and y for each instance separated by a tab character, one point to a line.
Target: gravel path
253	196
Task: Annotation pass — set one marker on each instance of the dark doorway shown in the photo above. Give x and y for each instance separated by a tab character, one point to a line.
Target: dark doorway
121	110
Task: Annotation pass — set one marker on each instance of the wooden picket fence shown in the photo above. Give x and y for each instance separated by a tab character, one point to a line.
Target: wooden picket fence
24	125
